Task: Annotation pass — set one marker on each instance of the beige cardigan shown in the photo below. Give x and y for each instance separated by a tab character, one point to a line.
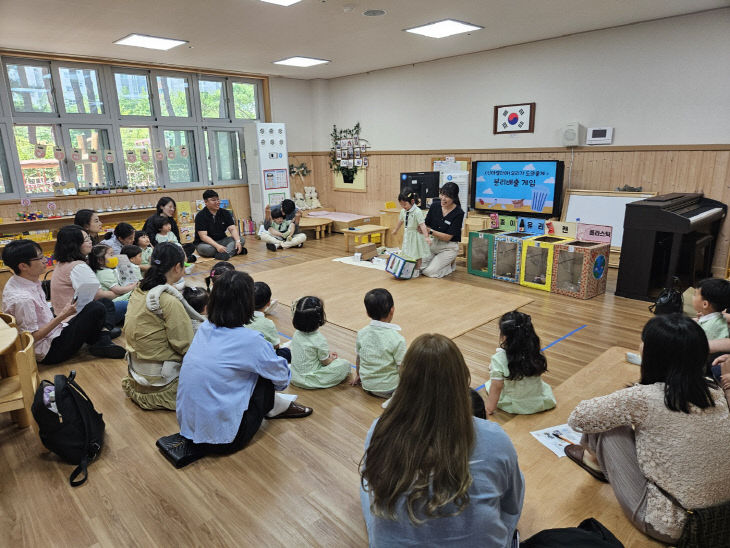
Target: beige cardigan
686	454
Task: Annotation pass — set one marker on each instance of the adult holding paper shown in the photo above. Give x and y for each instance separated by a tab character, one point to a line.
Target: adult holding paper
56	339
73	277
667	434
444	222
432	474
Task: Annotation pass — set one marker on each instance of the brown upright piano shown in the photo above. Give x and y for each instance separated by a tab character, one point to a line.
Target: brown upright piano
667	236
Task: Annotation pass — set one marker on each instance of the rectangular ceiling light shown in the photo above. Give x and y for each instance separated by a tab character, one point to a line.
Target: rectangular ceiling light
151	42
281	2
301	62
442	29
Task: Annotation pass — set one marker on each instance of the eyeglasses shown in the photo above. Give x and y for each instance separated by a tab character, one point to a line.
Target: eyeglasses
37	259
214	199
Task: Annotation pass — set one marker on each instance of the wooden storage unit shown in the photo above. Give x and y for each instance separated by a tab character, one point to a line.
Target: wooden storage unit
537	261
480	259
580	269
508	255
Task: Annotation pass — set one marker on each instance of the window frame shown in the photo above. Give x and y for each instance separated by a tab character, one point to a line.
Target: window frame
112	121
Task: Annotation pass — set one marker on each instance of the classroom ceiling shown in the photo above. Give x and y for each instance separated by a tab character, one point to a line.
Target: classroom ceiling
248	35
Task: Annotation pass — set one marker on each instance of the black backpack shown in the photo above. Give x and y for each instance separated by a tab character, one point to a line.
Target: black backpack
669	300
76	432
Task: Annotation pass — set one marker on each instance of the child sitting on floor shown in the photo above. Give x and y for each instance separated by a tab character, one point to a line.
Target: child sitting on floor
260	323
312	364
515	384
380	347
104	266
142	239
282	232
218	269
134	254
711	297
197	298
163	230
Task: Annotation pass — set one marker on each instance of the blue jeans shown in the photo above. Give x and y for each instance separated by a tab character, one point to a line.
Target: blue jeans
120	310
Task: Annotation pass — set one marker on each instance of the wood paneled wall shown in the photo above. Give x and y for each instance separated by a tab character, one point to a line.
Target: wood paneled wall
238	196
658	169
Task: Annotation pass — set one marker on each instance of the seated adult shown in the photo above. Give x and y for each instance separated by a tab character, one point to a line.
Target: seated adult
670	432
221	402
158	331
432	474
167	206
444	220
281	231
89	221
55	340
211	225
73	278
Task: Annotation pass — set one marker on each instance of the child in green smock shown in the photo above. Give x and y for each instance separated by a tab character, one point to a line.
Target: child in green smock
312	364
416	240
104	266
515	383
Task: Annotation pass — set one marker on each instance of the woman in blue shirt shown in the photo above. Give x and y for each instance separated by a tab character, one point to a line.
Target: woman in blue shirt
432	474
230	374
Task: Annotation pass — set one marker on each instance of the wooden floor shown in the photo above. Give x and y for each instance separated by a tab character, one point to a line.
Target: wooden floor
297	483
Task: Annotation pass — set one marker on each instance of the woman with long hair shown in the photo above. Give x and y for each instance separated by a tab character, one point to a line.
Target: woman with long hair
89	221
433	474
444	220
167	207
158	331
667	434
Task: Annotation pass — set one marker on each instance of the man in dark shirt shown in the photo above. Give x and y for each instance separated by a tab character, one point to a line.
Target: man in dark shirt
211	225
289	212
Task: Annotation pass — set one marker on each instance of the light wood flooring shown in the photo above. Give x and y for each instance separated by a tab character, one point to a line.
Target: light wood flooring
297	482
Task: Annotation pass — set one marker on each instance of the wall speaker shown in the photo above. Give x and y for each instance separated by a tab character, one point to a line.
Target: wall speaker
570	134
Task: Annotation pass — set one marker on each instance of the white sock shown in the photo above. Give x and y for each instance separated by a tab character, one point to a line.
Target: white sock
281	403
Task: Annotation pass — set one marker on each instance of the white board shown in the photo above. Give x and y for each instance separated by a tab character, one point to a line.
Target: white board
607	208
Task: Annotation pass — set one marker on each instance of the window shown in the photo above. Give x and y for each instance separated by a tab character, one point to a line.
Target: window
173	93
37	164
213	98
93	169
133	94
138	157
80	87
180	154
31	87
244	101
228	156
5	185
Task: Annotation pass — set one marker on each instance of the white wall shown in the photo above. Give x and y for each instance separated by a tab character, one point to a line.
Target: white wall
658	83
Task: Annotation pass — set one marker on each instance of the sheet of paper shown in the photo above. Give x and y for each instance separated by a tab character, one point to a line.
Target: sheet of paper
549	439
85	294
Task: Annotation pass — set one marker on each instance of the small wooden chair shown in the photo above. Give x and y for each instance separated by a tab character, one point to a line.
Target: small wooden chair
17	392
8	319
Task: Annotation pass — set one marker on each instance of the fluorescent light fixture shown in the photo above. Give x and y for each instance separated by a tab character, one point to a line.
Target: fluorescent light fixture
301	62
281	2
151	42
442	29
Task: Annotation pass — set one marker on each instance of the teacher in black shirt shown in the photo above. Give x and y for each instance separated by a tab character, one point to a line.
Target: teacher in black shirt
444	222
211	225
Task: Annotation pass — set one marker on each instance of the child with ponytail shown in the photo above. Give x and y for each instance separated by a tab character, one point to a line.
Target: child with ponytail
416	240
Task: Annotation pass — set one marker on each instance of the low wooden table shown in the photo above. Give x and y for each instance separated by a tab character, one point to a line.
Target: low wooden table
319	225
364	230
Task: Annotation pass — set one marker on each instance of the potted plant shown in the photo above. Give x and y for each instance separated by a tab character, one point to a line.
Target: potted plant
353	136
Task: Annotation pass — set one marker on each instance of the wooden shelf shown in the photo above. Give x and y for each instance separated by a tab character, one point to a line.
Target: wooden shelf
45	222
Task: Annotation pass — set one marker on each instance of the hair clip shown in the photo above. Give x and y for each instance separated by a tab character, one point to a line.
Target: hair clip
157	262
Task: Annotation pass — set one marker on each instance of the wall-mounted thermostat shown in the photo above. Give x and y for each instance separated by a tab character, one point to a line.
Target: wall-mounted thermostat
599	136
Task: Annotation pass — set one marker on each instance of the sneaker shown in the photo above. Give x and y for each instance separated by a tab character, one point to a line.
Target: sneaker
101	350
221	256
300	245
271	247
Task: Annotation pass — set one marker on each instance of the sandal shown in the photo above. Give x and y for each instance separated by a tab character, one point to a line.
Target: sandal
575	453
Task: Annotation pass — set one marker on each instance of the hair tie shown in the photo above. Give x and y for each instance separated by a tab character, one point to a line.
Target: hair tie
157	262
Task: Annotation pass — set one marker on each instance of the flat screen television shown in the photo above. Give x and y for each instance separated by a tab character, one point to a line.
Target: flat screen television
529	188
424	183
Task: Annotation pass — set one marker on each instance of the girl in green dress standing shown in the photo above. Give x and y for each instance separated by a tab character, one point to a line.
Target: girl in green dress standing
312	363
515	384
416	240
